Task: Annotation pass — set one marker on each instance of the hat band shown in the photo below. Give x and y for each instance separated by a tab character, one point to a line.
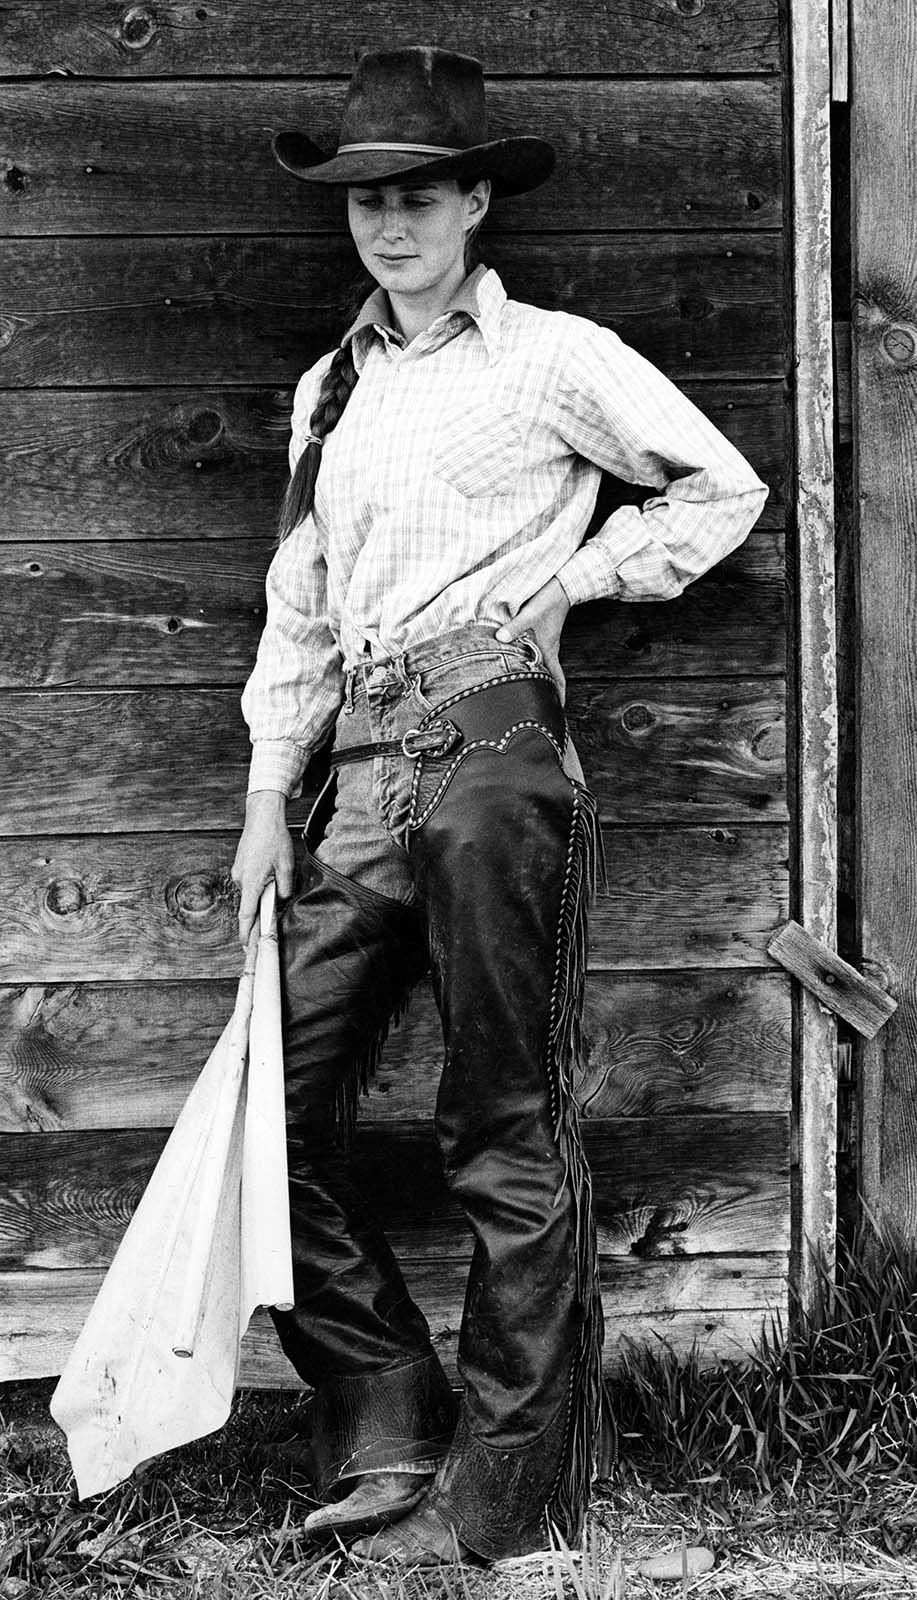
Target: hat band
409	149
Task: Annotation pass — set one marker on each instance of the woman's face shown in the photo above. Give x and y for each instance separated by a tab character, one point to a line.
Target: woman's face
411	236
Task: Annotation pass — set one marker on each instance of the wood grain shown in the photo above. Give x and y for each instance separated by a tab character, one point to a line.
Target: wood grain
884	224
180	157
702	1185
187	612
126	1055
815	643
834	982
139	464
716	1302
162	906
714	751
260	310
211	463
177	39
166	759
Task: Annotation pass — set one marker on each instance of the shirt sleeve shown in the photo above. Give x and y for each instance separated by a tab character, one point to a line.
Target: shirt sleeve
296	686
620	412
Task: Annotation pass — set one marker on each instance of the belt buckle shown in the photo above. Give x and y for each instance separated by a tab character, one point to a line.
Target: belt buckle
438	740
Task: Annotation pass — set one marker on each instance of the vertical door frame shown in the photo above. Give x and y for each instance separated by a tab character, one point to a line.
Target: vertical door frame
814	672
884	324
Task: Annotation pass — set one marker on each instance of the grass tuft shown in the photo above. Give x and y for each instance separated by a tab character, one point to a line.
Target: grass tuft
835	1393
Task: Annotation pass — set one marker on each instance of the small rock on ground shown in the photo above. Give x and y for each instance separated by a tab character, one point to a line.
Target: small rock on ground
690	1562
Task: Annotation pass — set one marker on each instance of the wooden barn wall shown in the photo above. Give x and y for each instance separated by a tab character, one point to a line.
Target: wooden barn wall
162	285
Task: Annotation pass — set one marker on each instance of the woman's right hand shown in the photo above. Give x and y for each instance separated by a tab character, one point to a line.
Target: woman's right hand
265	852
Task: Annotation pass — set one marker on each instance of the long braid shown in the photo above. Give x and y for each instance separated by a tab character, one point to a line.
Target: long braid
334	392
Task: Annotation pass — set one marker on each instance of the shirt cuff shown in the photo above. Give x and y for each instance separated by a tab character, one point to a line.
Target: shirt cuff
591	572
277	764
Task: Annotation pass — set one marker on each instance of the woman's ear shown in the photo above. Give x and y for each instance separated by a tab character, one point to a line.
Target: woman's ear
477	201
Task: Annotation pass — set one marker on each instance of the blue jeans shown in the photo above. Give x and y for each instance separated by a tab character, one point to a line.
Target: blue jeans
366	836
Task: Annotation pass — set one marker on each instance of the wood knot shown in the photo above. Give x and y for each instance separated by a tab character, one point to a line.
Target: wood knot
194	896
637	718
205	429
692	307
899	344
690	8
767	743
138	27
65	897
7	331
15	180
638	643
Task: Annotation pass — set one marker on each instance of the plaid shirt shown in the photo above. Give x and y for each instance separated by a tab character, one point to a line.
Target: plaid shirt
460	479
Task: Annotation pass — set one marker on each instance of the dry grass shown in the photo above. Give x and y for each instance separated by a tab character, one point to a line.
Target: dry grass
798	1471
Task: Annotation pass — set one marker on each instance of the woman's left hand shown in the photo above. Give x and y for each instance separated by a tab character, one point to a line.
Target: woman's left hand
544	616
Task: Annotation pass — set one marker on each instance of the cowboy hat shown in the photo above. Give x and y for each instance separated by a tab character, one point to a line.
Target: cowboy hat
417	110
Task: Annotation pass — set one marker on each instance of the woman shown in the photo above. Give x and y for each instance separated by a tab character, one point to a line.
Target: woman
445	460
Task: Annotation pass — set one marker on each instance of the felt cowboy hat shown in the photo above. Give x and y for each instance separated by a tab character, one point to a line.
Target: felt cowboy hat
417	110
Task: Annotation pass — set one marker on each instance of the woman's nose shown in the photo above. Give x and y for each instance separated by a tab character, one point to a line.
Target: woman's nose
393	225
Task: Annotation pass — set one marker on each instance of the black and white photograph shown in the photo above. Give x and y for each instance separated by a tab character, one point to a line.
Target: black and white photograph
458	800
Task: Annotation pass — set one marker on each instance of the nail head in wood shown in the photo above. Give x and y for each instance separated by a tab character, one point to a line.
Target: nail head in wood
833	981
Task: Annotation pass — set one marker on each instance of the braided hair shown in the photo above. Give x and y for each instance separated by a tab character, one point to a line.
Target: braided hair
334	392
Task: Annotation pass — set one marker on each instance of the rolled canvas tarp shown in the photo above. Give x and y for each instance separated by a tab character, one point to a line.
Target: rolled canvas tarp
156	1362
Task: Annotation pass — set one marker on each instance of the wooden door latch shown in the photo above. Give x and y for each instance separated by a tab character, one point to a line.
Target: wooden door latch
833	981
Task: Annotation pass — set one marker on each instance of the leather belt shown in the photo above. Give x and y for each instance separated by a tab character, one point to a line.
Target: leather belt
438	739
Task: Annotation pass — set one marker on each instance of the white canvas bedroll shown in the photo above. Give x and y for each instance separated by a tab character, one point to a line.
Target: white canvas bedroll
157	1360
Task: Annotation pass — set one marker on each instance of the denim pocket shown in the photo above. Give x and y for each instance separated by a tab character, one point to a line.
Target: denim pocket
473	667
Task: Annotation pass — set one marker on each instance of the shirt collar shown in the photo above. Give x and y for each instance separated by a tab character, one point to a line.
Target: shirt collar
481	298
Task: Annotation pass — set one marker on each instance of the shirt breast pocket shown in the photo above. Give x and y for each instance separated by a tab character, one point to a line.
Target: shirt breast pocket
479	451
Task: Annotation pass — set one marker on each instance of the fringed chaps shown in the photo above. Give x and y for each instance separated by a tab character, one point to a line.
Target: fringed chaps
503	847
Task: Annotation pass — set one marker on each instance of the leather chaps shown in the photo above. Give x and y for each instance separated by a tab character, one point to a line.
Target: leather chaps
502	845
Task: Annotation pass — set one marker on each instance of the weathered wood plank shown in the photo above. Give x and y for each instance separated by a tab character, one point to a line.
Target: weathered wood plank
126	1056
175	39
734	614
177	612
721	1301
161	759
256	310
180	157
706	750
815	731
834	982
137	464
161	906
211	463
884	225
712	1183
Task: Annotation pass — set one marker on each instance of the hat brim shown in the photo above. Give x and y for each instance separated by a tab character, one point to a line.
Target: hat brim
514	165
